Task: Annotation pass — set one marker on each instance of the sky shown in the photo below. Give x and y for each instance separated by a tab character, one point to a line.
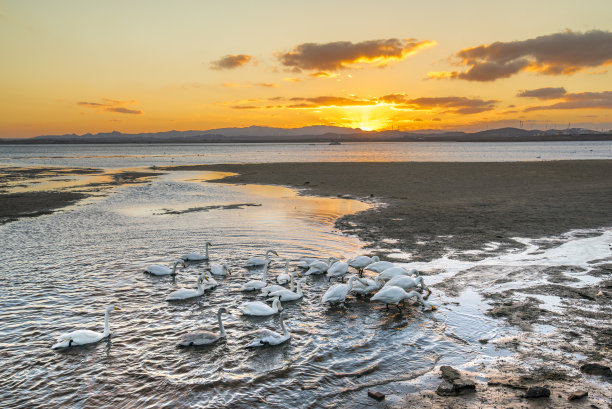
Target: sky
86	66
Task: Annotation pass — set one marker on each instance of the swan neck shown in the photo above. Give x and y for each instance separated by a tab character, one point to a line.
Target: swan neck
351	281
282	324
221	329
106	326
299	288
200	288
265	273
207	243
276	305
174	267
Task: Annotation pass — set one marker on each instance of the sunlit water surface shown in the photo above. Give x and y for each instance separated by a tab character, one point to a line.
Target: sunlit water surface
117	156
60	271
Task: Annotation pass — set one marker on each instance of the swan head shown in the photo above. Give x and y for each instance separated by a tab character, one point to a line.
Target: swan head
208	243
222	310
375	259
111	308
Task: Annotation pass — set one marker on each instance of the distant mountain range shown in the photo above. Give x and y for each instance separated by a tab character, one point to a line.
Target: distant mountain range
319	133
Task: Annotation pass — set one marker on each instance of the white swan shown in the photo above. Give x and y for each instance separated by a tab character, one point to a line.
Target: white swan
337	293
305	262
319	267
197	256
394	295
159	270
258	261
286	295
275	287
407	283
267	337
209	282
185	293
220	269
84	336
199	338
365	286
338	269
379	266
361	262
257	284
389	273
261	309
284	278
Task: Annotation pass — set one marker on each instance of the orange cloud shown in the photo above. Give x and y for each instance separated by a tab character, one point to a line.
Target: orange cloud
322	74
231	61
111	105
455	105
328	101
563	53
345	54
583	100
542	93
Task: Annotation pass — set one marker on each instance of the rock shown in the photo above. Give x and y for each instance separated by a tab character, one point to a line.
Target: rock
577	395
449	373
454	384
483	341
537	392
376	395
596	369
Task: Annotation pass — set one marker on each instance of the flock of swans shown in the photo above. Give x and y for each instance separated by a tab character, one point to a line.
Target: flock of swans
391	286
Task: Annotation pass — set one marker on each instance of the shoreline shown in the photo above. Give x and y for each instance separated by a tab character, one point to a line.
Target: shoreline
462	205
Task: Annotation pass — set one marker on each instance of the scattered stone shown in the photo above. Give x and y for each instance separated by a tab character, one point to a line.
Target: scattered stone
449	373
577	395
596	369
376	395
537	392
454	384
483	341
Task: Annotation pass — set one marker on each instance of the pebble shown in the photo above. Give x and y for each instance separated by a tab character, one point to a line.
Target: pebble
596	369
376	395
537	392
577	395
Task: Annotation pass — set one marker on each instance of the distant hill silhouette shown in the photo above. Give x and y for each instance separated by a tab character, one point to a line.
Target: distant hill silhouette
319	133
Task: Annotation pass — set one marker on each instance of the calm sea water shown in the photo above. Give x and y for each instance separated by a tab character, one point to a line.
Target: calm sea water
60	271
117	156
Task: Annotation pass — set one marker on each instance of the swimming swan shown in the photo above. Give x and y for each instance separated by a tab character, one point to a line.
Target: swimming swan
361	262
338	269
220	269
159	270
267	337
337	293
320	267
379	266
407	283
275	287
389	273
305	262
257	284
394	295
197	256
365	286
209	282
185	293
261	309
84	336
286	295
284	278
258	261
199	338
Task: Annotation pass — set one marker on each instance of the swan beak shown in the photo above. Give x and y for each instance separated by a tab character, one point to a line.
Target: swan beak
433	308
117	308
183	264
229	272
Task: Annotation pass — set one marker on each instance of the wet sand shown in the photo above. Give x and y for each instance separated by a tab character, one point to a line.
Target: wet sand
457	205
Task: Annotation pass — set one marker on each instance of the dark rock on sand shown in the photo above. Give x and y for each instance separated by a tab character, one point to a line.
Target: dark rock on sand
596	369
454	384
577	395
537	392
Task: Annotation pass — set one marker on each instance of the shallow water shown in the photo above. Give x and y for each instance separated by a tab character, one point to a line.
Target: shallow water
117	156
60	271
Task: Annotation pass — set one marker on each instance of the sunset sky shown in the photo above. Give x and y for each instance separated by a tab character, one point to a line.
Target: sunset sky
146	66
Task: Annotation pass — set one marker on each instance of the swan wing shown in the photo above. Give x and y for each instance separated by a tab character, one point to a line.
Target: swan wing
79	337
255	261
183	294
199	338
256	308
253	285
158	270
379	266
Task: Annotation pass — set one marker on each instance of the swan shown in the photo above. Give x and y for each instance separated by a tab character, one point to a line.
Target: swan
284	278
159	270
220	269
407	283
394	295
197	256
199	338
286	295
361	262
338	269
84	336
185	293
267	337
305	262
379	266
365	286
257	284
258	261
261	309
271	288
389	273
319	267
210	282
337	293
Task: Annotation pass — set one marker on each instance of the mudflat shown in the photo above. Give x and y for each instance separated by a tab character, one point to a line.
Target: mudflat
458	205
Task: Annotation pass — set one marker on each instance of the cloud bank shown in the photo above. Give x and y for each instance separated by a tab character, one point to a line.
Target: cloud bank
231	61
582	100
543	93
562	53
345	54
112	105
